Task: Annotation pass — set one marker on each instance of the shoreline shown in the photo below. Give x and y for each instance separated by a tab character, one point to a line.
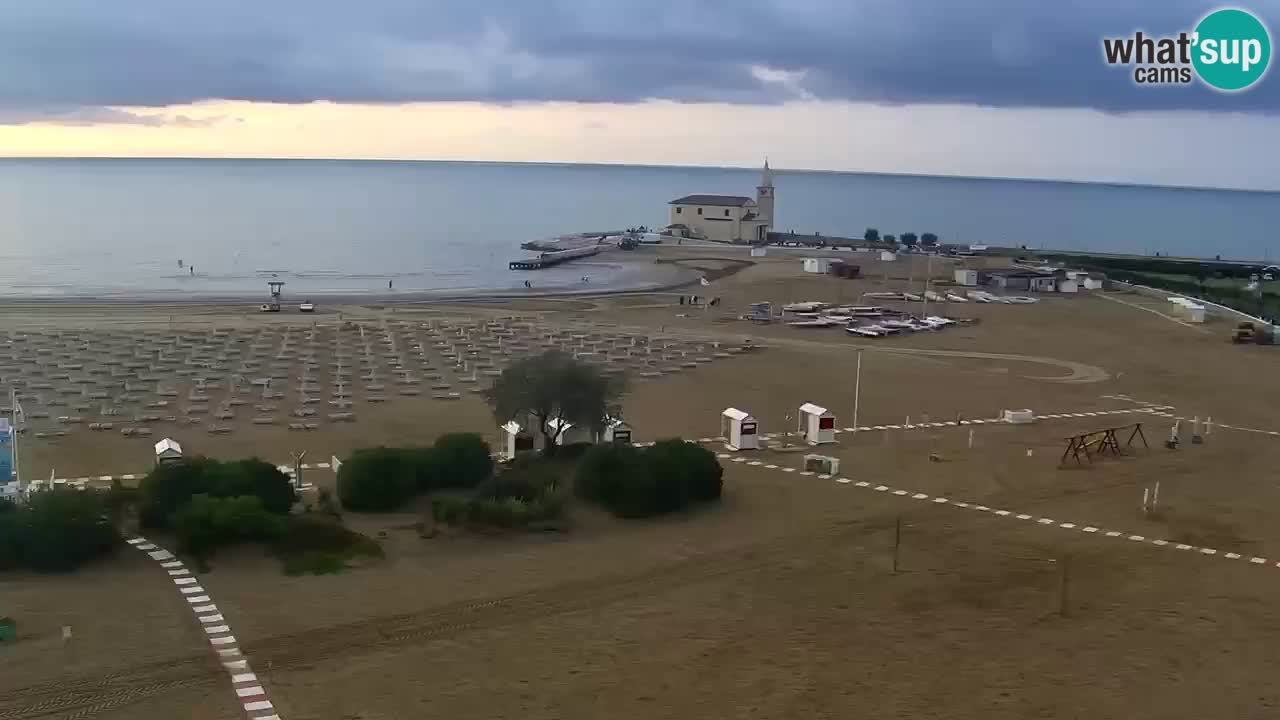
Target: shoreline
660	274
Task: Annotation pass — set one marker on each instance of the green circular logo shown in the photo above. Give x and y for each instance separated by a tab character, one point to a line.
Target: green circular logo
1231	49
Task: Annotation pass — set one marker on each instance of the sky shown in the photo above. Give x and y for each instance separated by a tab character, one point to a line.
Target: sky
1010	88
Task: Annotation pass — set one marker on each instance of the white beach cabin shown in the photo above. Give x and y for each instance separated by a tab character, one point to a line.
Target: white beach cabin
168	451
740	430
887	256
817	265
514	441
818	424
966	277
617	431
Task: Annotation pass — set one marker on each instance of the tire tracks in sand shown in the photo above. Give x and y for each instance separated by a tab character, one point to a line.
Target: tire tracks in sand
83	697
1077	372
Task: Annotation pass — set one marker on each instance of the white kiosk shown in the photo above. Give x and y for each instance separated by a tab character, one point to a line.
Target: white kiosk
514	441
168	451
740	430
617	432
817	424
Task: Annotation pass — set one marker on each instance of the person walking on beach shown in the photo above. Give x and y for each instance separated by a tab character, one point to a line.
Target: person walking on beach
389	284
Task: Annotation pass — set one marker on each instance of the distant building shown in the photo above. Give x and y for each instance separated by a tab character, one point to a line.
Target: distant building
725	218
1014	279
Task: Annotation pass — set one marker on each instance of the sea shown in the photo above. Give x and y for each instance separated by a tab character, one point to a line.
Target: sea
179	228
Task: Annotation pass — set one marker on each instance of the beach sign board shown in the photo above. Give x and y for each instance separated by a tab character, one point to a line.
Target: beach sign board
6	452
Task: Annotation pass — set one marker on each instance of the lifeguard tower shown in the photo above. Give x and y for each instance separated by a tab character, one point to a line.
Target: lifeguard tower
277	287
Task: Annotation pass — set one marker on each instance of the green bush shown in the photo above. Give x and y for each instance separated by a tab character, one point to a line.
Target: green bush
461	460
383	479
56	530
663	478
696	468
320	546
449	510
525	480
168	487
260	479
519	495
377	479
614	476
207	523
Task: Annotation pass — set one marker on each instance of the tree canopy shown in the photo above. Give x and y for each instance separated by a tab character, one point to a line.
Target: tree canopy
909	239
871	235
553	389
928	239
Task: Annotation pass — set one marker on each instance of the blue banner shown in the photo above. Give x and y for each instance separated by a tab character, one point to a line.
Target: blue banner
6	455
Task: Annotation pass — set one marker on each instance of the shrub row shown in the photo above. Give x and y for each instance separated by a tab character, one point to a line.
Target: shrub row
304	543
525	493
383	479
57	530
171	486
641	482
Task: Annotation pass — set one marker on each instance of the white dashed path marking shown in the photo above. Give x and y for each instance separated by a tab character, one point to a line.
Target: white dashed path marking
1088	529
248	688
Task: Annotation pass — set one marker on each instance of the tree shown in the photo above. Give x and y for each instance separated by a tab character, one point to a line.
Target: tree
928	239
909	239
890	239
553	389
377	479
871	235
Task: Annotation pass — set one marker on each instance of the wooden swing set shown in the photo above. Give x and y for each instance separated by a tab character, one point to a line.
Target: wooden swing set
1101	442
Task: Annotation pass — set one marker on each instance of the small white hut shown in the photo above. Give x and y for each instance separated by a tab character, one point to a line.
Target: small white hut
817	265
887	256
515	440
817	424
617	431
740	430
168	450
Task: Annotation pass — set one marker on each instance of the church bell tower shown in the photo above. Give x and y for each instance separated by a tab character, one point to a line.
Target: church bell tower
764	194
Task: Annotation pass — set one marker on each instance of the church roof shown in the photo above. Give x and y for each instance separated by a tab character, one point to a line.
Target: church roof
716	200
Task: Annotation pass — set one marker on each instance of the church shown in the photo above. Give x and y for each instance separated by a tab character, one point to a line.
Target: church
725	218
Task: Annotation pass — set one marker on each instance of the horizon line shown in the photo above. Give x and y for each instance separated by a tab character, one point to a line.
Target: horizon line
784	171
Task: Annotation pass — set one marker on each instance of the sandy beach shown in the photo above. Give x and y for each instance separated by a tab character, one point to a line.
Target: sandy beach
781	602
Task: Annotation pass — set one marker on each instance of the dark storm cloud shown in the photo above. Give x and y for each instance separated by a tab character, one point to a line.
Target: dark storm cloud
57	54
